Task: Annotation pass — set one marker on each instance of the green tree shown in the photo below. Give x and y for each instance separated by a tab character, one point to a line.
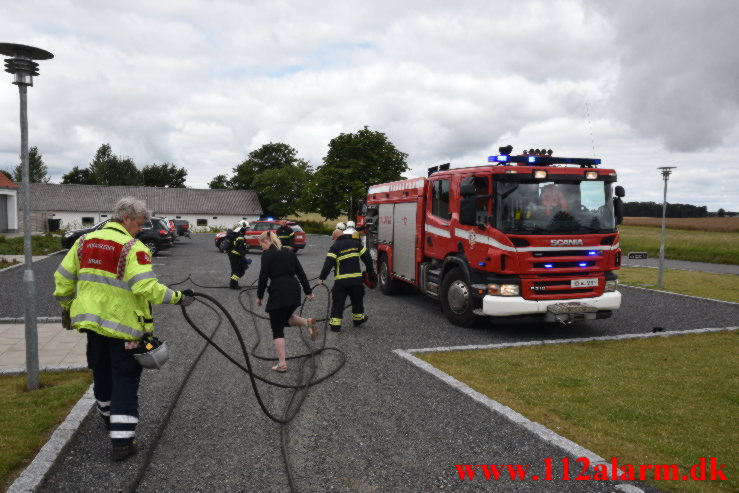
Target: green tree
274	155
278	176
281	191
220	182
78	176
353	163
37	170
109	169
721	213
163	175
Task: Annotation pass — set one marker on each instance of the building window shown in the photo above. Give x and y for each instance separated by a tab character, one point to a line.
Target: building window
215	217
178	217
88	221
103	215
202	222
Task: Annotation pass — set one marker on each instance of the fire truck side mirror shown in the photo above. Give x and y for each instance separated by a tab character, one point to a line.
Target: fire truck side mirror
618	209
619	191
467	214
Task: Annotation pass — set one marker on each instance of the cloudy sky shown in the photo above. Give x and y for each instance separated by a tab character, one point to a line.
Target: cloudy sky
201	83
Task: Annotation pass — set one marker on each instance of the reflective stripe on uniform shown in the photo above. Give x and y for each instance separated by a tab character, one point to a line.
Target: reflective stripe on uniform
124	329
358	316
64	298
123	418
122	434
110	281
332	255
348	255
139	277
334	321
168	295
66	274
344	276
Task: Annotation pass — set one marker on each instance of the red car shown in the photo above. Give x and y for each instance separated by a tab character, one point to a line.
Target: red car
258	227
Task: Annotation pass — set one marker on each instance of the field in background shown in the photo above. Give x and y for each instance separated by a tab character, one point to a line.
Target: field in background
681	244
719	224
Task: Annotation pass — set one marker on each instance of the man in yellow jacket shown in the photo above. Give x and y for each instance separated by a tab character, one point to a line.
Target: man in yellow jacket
106	286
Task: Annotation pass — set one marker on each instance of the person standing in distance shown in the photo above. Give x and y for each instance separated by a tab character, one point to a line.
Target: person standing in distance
286	235
236	245
106	286
279	267
343	257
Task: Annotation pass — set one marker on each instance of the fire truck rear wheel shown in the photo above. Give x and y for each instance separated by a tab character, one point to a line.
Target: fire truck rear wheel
456	299
388	285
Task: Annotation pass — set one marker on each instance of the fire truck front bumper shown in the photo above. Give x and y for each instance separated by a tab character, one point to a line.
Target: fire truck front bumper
553	310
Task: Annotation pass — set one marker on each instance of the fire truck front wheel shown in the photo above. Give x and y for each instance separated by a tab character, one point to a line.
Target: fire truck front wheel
456	299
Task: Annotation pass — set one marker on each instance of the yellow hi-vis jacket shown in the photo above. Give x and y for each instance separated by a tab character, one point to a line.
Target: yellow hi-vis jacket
107	281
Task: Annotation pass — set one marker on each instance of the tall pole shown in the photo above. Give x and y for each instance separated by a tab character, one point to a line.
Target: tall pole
22	66
29	280
666	170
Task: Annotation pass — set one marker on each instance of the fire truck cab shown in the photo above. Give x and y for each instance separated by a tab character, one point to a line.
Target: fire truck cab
531	234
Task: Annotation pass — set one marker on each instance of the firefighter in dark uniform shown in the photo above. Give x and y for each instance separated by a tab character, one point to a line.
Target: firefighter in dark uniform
286	235
237	252
343	257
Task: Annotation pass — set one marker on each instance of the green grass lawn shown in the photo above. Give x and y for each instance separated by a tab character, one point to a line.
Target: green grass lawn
696	246
28	418
665	400
706	285
40	245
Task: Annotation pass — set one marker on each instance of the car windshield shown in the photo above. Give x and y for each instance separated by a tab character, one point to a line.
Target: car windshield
296	228
554	207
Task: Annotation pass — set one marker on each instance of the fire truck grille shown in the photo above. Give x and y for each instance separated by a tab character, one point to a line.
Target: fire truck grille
562	253
562	265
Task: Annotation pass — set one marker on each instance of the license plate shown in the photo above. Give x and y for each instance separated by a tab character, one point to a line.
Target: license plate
584	283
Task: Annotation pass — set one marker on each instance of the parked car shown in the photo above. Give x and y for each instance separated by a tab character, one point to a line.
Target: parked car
183	227
71	236
169	224
155	234
258	227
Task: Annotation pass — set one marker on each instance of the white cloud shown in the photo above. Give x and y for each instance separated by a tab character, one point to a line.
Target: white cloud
201	84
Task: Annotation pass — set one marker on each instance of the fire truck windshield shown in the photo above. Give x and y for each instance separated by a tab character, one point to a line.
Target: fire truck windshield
554	207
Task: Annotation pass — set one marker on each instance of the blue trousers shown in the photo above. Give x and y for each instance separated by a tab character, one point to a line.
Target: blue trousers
116	375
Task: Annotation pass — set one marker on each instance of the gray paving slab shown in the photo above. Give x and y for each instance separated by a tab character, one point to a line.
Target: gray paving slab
378	425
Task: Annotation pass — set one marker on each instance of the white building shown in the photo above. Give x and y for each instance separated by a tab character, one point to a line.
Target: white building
8	205
78	206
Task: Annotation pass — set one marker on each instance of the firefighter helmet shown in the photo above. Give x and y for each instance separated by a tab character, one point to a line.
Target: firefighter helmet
340	226
154	355
241	226
351	224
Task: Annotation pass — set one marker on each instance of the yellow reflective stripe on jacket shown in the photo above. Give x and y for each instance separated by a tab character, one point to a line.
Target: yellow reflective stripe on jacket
99	278
346	276
332	255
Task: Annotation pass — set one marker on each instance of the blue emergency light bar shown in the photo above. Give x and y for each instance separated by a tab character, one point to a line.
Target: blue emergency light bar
544	160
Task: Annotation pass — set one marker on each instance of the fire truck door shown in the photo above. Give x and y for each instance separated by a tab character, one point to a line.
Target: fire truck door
404	245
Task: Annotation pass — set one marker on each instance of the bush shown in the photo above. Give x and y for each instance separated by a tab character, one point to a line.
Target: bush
316	227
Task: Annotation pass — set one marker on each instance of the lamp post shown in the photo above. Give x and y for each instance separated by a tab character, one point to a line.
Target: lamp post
22	66
666	171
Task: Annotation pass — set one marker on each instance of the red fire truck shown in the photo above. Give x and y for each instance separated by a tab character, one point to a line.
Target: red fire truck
532	234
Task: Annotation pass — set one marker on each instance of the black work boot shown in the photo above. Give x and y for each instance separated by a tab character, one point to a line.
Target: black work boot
234	284
121	452
357	323
106	422
335	328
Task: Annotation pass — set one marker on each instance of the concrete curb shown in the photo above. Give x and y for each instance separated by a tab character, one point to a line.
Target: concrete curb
31	478
22	320
22	370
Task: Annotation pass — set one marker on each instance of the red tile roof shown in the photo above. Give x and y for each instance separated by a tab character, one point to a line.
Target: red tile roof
6	182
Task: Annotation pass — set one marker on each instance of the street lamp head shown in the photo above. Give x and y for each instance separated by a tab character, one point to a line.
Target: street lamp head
666	171
22	63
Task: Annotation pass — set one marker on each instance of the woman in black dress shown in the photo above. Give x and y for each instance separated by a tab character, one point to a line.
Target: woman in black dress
280	266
